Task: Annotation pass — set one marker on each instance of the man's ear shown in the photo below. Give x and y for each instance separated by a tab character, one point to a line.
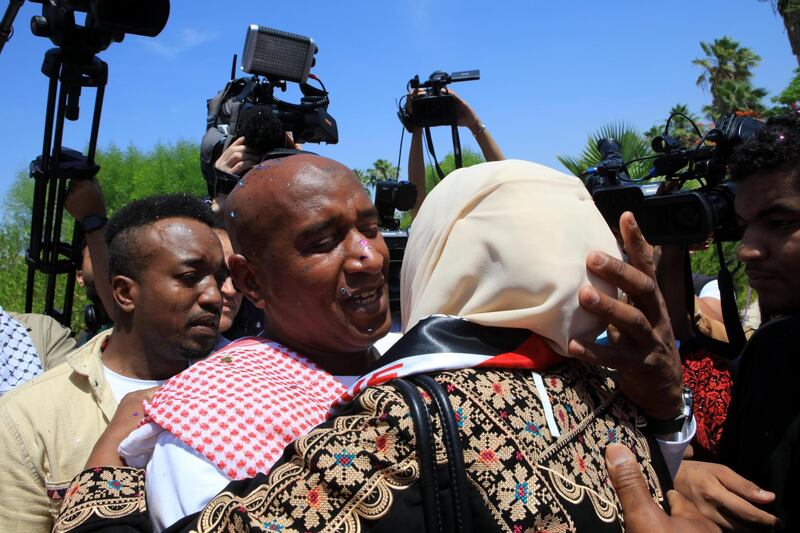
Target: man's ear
245	280
126	292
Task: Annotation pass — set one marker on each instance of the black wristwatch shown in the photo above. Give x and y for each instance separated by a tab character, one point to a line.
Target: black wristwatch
92	223
674	425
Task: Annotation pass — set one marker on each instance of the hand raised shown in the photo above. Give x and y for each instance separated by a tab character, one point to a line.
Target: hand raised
643	345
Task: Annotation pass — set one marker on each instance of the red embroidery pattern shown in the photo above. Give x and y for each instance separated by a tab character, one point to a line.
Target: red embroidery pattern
709	377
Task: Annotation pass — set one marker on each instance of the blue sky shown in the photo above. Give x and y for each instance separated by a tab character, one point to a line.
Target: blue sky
551	72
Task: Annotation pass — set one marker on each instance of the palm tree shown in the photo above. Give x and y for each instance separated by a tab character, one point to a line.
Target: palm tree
740	96
633	144
383	170
725	60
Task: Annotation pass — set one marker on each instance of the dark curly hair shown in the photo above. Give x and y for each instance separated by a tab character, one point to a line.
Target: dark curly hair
125	255
774	147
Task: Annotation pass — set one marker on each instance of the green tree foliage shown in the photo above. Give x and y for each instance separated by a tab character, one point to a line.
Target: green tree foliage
448	165
706	262
727	75
788	98
381	170
634	146
125	175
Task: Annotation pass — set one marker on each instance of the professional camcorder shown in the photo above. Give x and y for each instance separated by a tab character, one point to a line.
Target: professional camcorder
436	107
247	107
666	214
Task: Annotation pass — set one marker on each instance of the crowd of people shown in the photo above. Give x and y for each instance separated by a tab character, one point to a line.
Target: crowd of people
243	371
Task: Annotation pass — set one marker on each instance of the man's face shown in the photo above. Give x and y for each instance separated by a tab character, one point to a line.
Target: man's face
177	299
770	206
324	268
231	297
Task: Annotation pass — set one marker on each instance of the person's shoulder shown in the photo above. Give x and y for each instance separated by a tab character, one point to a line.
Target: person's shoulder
39	401
34	389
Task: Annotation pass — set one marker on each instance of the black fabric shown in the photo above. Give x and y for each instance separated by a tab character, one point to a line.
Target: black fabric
447	334
760	440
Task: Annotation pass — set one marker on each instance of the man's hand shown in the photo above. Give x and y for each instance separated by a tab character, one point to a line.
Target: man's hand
724	496
84	198
640	512
129	413
642	343
236	159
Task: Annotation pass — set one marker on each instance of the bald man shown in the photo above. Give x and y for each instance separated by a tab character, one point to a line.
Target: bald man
309	253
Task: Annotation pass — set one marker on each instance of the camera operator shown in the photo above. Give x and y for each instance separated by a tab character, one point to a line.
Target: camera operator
465	117
84	201
761	438
265	133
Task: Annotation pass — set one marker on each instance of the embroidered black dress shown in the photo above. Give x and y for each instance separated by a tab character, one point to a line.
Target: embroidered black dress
359	471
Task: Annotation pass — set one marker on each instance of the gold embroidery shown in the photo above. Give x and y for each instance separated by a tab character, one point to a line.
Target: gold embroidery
358	464
102	493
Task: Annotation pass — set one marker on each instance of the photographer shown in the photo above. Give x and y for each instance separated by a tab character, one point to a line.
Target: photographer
465	117
260	133
761	438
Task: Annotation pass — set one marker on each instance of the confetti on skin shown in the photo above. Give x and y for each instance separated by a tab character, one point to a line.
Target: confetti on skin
344	292
233	214
135	414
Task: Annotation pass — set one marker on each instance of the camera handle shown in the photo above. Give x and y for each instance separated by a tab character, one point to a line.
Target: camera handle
68	71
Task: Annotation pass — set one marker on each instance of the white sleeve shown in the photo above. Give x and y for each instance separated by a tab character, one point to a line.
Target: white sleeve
672	446
179	481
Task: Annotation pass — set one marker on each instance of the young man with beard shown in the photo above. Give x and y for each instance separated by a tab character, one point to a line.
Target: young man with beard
761	440
165	268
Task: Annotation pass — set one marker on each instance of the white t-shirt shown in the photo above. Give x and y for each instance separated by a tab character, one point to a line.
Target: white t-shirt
121	385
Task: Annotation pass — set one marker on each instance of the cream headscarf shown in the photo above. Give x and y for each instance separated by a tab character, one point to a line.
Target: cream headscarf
505	244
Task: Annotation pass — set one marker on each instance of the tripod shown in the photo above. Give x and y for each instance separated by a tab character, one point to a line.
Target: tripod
69	71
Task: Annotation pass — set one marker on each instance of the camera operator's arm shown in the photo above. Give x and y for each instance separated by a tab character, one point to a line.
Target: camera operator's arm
467	117
416	168
671	277
85	203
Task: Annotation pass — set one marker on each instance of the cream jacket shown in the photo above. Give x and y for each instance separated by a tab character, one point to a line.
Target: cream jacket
48	427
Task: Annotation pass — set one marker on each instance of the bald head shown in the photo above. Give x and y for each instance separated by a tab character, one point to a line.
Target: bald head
309	252
276	191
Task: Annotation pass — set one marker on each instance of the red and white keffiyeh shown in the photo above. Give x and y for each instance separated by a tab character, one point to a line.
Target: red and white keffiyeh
241	406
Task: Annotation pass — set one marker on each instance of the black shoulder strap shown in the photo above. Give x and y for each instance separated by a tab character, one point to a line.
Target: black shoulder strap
455	453
425	452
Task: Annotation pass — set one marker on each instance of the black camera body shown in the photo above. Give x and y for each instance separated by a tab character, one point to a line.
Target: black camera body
247	107
665	213
436	107
391	195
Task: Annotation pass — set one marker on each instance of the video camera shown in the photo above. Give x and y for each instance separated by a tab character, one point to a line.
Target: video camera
436	107
666	214
247	107
391	195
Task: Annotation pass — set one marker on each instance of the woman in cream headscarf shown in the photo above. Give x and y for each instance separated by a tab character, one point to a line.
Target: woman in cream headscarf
490	280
